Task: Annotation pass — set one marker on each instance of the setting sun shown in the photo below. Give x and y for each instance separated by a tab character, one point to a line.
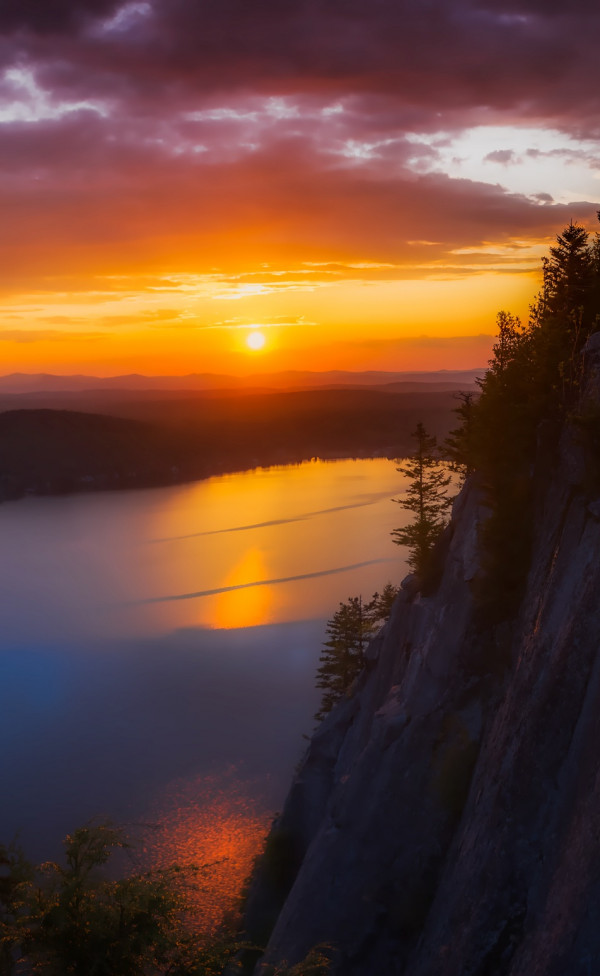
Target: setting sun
255	340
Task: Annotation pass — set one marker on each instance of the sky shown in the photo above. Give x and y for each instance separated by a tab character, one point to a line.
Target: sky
364	183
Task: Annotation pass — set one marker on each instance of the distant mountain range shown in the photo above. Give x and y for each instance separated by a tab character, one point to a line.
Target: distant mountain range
15	383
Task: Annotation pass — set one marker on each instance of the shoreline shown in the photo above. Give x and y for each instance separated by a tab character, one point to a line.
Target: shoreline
103	483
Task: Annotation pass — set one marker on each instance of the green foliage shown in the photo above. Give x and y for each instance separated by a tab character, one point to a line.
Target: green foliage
74	921
380	606
349	631
534	375
15	871
316	963
426	497
459	447
569	273
509	344
342	657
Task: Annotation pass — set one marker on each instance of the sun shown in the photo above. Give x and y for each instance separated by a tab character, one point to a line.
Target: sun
255	340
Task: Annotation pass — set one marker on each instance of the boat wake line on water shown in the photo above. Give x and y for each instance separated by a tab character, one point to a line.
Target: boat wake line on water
265	582
369	500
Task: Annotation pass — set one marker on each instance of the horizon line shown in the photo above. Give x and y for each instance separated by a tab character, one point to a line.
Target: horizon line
241	376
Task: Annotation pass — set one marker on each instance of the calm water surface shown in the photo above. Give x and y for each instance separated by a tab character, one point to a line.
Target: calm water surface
158	651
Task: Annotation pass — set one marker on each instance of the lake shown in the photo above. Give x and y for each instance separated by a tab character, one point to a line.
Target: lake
159	647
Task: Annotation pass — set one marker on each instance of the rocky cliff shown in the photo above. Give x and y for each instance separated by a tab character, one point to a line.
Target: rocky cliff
446	817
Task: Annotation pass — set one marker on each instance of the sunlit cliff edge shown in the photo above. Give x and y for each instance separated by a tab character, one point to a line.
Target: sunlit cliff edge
445	818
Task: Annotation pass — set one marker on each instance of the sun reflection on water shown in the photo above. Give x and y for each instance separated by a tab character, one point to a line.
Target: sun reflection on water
218	824
244	608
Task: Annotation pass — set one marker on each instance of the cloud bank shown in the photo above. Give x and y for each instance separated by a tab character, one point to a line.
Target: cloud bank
158	137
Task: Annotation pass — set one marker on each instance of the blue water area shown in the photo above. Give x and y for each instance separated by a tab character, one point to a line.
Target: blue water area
102	730
158	648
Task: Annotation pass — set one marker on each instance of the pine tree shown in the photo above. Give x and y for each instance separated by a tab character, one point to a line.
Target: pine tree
565	313
342	659
349	631
379	607
534	375
426	498
568	272
596	254
459	446
509	342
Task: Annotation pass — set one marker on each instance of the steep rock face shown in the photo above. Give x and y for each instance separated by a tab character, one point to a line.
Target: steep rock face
520	891
376	800
446	818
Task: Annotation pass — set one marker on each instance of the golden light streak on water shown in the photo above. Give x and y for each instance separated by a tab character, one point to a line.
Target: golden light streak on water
218	825
246	607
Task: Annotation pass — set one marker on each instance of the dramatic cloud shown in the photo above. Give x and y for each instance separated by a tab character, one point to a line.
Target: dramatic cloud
331	142
428	58
52	16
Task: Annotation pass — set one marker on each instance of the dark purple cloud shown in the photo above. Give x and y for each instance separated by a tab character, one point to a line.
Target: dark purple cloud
94	201
51	16
316	128
430	57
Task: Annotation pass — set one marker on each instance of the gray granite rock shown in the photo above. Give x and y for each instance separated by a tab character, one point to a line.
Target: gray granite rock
445	821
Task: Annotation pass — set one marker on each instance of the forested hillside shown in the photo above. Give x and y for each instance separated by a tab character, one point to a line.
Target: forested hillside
161	442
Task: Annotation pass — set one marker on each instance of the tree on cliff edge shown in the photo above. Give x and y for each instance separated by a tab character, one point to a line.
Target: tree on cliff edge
425	497
531	388
349	631
459	448
342	658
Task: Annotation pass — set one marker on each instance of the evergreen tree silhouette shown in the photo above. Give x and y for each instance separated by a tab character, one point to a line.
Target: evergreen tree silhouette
426	497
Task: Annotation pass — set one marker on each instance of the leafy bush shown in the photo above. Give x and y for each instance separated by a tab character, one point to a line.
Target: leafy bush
72	920
316	963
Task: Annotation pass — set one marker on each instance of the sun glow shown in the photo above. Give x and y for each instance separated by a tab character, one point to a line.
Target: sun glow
255	341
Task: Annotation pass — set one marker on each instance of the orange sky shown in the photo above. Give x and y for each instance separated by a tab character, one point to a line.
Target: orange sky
171	183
